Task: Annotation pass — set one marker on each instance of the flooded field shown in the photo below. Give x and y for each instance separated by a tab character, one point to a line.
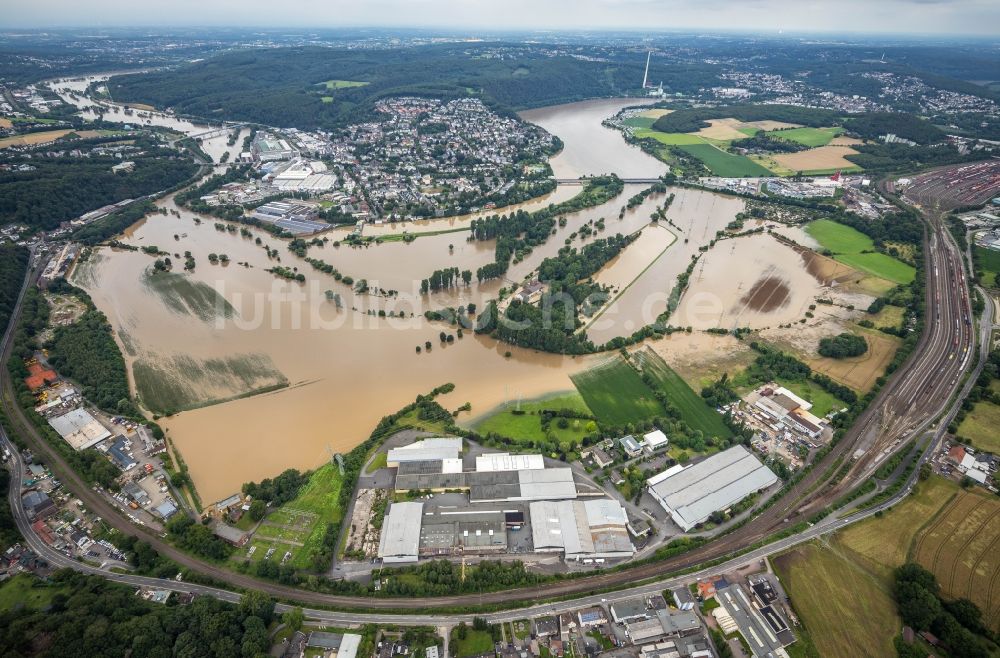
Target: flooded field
695	217
753	281
345	369
324	372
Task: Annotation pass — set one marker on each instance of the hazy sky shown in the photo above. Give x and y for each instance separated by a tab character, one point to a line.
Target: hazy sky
980	17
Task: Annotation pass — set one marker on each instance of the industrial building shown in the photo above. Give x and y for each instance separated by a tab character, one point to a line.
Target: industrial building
665	623
764	630
79	429
297	217
436	449
592	529
489	486
457	534
345	645
502	461
691	494
267	148
783	406
303	176
400	540
655	440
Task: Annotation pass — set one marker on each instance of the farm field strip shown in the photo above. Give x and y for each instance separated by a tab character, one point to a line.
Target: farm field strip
959	547
854	248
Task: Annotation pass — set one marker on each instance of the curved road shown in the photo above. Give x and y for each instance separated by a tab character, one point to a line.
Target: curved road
903	408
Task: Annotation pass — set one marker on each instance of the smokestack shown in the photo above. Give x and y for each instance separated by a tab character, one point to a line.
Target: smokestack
645	76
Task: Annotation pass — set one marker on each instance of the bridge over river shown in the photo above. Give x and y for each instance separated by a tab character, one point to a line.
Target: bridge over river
581	181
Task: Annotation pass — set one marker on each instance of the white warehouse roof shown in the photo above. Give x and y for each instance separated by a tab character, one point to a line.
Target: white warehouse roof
655	439
437	449
546	484
502	461
691	495
580	529
400	540
80	429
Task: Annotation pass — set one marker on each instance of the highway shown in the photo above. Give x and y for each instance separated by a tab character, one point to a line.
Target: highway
919	390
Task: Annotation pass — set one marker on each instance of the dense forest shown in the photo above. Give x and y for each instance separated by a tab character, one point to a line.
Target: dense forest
86	352
551	325
13	264
59	189
872	124
958	624
842	346
89	616
285	87
689	120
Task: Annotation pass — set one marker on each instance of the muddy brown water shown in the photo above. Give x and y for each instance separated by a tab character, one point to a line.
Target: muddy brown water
767	294
349	367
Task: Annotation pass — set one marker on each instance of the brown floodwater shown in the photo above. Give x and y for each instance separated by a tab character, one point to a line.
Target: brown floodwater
753	281
347	367
767	294
696	216
589	148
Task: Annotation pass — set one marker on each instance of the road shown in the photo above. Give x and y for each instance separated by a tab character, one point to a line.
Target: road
919	390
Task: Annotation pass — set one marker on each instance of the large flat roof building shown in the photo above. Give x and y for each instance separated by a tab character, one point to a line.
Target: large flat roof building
491	486
267	148
502	461
400	540
436	449
691	495
79	429
581	529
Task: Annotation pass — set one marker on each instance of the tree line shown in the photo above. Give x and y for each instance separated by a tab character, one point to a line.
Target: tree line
90	616
59	189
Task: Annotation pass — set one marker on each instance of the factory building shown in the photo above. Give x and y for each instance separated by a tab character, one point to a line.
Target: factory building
297	217
690	495
268	148
460	534
400	540
303	176
502	461
426	450
592	529
79	429
489	486
780	404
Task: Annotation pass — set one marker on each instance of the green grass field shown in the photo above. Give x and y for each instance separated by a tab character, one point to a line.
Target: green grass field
343	84
616	394
693	408
725	164
475	643
811	137
854	248
644	123
670	139
822	401
308	514
883	543
988	265
846	611
528	426
22	590
378	462
980	427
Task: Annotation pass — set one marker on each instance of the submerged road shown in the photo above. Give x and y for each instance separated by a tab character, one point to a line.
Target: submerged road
918	391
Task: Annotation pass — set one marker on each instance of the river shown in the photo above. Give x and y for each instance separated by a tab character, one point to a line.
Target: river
346	368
